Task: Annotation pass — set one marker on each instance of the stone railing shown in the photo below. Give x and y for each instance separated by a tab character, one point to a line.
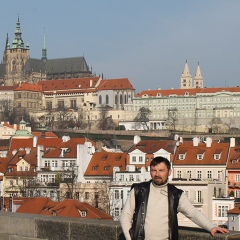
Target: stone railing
18	226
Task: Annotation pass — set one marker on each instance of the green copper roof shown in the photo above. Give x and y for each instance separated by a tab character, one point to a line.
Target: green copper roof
22	133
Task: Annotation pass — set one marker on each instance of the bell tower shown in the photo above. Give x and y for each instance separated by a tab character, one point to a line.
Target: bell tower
15	58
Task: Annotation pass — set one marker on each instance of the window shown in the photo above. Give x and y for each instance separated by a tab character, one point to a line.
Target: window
237	178
61	104
179	174
133	159
209	174
189	173
19	104
186	193
181	156
199	156
26	168
237	193
83	213
49	105
116	194
107	99
73	104
100	99
199	174
47	163
87	195
222	211
216	156
198	198
140	159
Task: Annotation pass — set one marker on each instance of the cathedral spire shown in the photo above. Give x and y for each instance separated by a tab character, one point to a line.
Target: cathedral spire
198	79
18	42
44	49
186	78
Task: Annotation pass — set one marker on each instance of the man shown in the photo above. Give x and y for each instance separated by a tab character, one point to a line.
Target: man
150	211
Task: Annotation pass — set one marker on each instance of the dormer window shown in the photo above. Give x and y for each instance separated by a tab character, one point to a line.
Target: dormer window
217	156
106	167
181	156
83	213
199	156
95	167
234	162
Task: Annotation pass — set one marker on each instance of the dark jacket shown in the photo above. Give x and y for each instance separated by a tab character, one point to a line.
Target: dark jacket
141	201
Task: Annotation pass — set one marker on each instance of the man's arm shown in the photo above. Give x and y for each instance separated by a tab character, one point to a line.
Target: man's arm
127	214
186	208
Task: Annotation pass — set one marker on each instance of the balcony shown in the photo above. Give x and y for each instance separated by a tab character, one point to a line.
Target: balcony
14	226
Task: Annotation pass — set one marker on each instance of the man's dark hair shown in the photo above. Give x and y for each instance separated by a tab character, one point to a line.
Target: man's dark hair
158	160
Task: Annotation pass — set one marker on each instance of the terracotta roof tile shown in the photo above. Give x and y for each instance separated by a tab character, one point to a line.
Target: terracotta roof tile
115	84
207	152
102	163
28	87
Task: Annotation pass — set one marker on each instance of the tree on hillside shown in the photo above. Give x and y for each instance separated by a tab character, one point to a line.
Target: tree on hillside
143	117
172	119
105	122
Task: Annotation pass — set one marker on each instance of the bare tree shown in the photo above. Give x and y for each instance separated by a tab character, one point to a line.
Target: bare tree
6	108
143	116
105	122
172	119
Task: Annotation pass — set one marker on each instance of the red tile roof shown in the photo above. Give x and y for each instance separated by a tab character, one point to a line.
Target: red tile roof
235	210
115	84
66	208
73	84
182	92
102	163
234	158
47	134
208	153
74	208
152	146
28	87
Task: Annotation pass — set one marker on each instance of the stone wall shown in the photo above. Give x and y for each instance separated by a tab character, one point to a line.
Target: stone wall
18	226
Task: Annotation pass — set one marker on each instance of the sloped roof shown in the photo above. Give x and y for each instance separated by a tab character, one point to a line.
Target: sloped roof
115	84
55	66
208	154
152	146
47	134
102	163
34	205
182	92
66	208
234	158
73	208
28	87
235	210
73	84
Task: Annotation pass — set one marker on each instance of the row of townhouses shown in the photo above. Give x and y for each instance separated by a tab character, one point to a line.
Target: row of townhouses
42	165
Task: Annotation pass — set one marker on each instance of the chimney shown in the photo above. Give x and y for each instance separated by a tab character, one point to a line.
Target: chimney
35	141
232	142
195	141
208	142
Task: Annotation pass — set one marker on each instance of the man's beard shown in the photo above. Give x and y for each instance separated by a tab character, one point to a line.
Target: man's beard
159	183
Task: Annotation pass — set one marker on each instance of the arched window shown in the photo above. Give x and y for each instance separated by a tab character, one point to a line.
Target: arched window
116	99
14	68
100	99
125	98
121	99
107	99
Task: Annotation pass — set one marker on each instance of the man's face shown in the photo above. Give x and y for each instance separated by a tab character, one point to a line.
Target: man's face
160	173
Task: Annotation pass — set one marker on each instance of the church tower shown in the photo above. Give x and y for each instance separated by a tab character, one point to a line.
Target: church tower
186	78
198	79
44	49
15	57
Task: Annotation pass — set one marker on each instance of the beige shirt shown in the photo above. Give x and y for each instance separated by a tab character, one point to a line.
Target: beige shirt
156	222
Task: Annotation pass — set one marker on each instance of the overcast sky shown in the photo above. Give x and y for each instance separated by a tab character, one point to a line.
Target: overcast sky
146	41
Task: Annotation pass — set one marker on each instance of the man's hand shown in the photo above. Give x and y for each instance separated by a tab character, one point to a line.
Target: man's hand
218	229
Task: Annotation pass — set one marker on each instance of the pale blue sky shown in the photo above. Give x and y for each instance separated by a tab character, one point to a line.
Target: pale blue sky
147	41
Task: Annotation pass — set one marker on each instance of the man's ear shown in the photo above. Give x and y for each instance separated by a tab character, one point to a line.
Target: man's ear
169	172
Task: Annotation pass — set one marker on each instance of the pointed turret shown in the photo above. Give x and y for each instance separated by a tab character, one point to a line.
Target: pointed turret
186	78
44	49
18	42
198	79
